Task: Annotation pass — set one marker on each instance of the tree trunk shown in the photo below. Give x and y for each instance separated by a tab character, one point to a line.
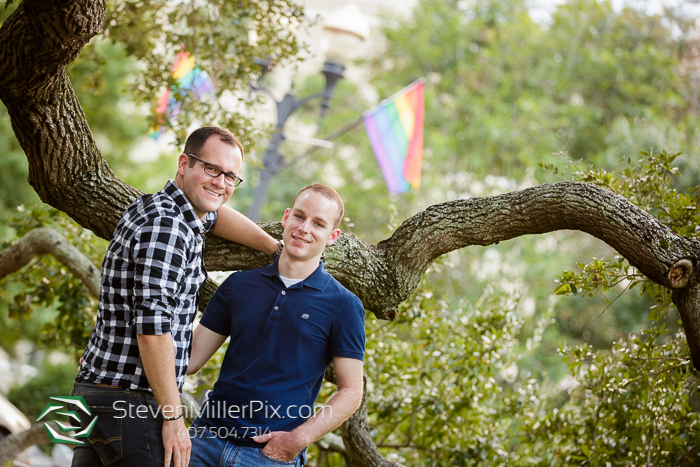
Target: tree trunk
360	450
66	169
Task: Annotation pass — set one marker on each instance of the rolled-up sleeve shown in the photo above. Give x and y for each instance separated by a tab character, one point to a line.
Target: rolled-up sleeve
159	255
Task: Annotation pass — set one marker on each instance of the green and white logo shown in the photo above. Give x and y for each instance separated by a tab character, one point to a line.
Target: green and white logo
60	410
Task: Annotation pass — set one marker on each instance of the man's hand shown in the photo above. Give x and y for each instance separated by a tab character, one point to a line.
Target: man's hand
281	445
177	444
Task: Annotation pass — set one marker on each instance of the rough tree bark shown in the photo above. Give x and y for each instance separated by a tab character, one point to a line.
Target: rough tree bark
65	167
68	172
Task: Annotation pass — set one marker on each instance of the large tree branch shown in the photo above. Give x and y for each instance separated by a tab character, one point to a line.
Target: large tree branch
383	275
12	445
42	241
39	39
649	246
65	167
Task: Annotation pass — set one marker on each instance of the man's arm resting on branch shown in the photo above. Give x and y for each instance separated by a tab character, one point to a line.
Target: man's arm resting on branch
158	358
235	227
285	446
204	343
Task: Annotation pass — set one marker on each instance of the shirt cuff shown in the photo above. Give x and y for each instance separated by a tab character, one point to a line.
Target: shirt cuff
348	354
153	325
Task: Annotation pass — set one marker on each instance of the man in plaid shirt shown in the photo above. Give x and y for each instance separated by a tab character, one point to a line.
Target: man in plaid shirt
134	366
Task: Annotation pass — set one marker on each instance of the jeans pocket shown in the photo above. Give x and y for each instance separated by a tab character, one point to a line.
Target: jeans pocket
106	434
276	461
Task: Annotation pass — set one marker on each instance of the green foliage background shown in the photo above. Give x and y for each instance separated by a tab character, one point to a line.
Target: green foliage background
497	359
54	380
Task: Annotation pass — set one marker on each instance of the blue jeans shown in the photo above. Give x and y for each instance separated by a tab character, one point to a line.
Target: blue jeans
119	438
217	452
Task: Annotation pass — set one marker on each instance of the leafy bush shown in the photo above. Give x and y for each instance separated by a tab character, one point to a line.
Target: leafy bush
53	380
45	282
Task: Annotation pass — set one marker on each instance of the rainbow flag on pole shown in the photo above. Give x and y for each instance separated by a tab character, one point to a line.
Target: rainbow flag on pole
395	131
190	78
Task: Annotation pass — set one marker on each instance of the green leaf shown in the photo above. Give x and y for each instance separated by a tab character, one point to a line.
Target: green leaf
586	451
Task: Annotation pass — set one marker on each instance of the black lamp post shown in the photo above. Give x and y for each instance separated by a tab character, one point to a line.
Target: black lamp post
345	29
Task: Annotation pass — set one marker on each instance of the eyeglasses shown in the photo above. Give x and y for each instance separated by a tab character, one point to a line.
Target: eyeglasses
231	179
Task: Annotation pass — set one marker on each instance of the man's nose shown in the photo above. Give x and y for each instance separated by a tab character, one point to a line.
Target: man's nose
304	227
219	181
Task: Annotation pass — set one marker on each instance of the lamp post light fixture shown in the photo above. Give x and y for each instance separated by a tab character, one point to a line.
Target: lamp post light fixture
343	33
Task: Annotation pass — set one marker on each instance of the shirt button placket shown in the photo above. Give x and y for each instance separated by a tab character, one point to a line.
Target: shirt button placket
274	314
275	309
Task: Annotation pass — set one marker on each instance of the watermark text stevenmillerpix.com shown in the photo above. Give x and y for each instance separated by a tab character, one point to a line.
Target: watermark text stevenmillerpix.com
220	409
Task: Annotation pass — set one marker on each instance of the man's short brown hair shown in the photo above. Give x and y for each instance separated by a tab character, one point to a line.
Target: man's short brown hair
200	136
328	193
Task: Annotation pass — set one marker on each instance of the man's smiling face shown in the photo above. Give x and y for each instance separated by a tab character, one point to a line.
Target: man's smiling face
309	226
205	193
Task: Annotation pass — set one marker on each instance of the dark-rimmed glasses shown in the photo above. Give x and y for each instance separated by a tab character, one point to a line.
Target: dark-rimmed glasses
230	178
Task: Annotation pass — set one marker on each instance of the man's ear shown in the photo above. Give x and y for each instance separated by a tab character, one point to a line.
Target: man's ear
285	217
334	237
182	163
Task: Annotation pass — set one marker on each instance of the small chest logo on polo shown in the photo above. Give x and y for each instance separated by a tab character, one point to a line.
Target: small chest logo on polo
304	316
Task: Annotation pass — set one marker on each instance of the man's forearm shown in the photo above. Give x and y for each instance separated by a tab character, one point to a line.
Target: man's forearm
286	445
235	227
158	358
205	343
330	416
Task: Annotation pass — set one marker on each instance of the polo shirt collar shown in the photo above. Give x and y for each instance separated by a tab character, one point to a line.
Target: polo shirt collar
193	221
317	280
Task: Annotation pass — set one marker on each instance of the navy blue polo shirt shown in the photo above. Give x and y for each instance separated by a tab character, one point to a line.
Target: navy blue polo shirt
282	340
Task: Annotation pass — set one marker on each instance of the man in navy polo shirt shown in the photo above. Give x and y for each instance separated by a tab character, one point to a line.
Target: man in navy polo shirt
287	322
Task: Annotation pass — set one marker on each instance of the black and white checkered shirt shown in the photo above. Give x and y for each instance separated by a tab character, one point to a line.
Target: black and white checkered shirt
151	274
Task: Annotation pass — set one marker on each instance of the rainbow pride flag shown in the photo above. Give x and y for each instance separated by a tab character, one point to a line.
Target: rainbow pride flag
395	131
190	78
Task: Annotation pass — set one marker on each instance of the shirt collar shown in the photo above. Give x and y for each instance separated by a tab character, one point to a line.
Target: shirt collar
193	221
317	280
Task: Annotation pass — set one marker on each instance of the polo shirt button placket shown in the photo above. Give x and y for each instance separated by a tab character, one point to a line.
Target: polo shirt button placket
274	314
